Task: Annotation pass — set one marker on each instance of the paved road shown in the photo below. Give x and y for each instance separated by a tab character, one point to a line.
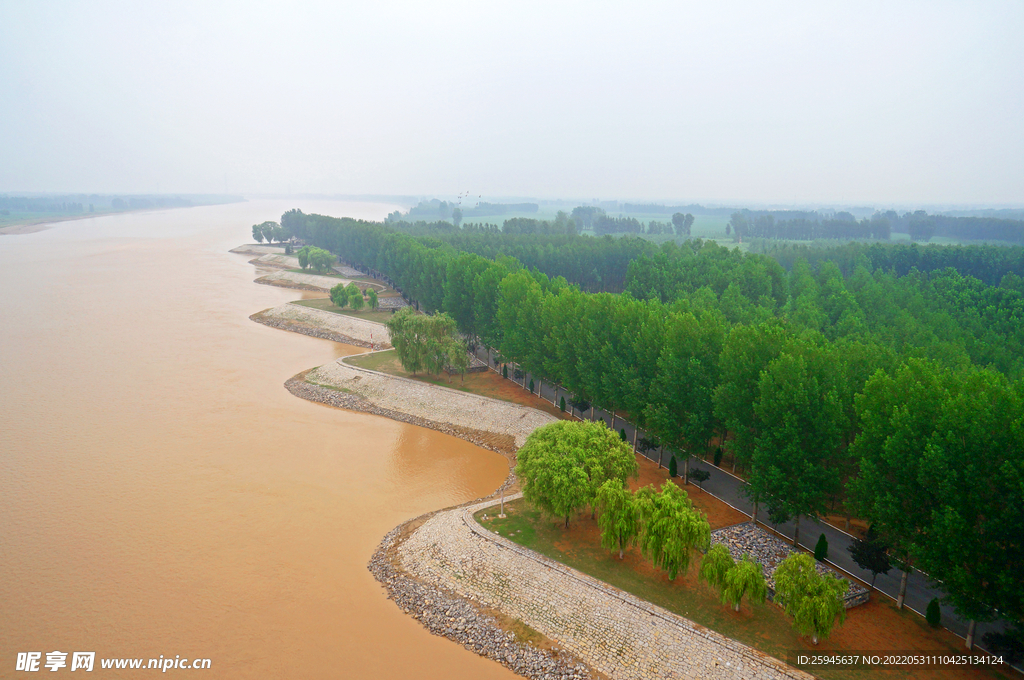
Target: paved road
728	488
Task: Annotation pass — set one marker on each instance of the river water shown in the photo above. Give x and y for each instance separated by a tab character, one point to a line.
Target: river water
161	493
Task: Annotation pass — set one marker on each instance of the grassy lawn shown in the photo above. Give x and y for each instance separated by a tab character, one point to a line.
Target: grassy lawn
874	626
485	383
380	316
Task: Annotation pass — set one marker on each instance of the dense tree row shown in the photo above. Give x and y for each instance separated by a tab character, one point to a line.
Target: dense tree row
921	226
987	263
712	344
745	224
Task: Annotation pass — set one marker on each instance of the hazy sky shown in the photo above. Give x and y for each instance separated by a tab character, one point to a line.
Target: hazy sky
855	102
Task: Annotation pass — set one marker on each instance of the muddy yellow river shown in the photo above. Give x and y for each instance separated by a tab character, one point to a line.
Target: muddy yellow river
160	491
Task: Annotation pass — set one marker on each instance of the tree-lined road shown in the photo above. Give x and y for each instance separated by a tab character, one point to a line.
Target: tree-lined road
730	489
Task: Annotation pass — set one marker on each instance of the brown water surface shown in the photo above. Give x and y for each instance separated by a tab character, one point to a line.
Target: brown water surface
160	491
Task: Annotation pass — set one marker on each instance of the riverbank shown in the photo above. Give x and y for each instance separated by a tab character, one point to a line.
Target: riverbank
325	325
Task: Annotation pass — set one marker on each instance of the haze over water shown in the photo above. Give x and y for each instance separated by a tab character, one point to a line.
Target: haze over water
161	493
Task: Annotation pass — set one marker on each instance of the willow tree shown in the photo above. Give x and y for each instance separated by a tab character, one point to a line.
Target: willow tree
562	465
715	565
619	519
672	528
814	601
745	578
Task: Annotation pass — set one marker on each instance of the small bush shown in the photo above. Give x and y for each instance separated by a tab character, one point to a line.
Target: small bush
561	404
718	457
673	469
821	549
622	434
699	476
933	615
504	371
1009	645
531	385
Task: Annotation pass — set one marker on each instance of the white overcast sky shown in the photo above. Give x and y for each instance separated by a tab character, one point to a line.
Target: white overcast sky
854	102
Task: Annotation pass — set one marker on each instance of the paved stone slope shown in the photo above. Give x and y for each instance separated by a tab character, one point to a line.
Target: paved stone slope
321	282
321	324
614	632
433	403
278	260
254	249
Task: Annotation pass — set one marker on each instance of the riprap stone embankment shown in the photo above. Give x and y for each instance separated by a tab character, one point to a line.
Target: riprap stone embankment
617	634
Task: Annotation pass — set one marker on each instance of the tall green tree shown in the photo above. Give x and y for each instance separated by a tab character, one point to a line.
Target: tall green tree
746	352
801	429
971	463
897	415
680	409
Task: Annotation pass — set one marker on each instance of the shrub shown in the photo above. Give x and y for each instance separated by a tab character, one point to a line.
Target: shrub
622	432
699	476
821	549
1009	645
561	404
718	457
531	385
673	470
933	615
504	371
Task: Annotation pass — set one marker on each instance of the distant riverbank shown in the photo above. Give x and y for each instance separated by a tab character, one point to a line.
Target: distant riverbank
31	225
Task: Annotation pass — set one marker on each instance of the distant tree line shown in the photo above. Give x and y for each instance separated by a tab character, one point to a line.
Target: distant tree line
919	225
749	224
